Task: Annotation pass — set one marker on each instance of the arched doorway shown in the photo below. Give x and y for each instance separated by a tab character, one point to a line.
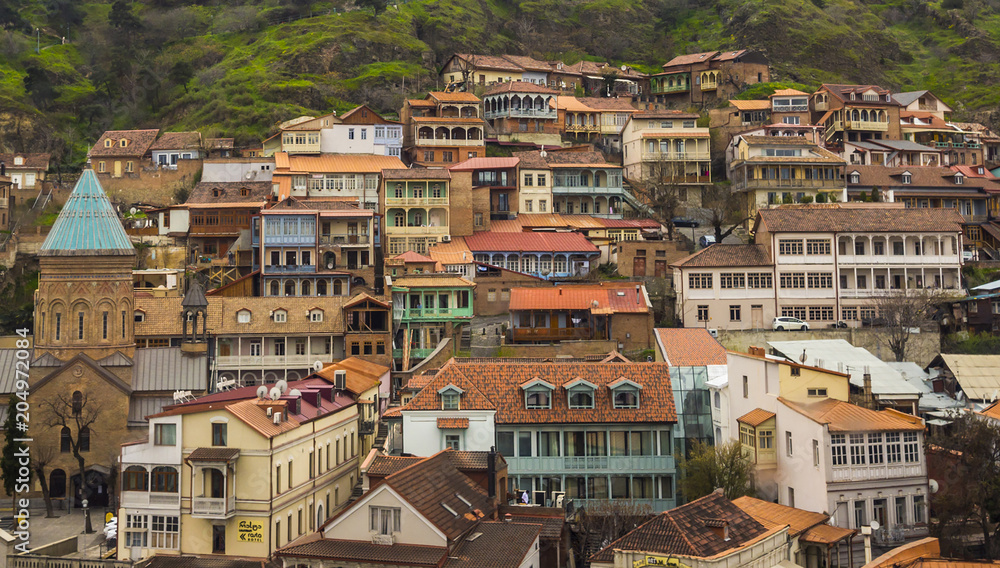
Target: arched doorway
57	484
97	486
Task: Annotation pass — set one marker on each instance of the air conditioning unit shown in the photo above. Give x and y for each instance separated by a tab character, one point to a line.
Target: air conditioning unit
714	333
446	238
277	418
559	497
339	379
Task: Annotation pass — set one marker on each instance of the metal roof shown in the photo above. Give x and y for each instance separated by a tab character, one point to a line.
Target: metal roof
167	369
87	224
839	355
139	407
976	374
8	360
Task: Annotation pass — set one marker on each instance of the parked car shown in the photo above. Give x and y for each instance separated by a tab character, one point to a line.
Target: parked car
706	240
839	325
968	256
874	322
786	323
685	222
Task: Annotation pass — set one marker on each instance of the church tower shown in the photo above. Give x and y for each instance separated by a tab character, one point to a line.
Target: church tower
84	303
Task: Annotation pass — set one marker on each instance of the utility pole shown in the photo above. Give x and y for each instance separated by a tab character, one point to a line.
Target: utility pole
38	40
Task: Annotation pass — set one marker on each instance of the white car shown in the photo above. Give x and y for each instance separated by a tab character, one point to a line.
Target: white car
786	323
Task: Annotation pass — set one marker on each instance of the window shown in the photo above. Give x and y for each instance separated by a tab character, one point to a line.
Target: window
79	325
734	313
350	134
815	453
449	401
104	333
746	387
791	497
875	449
796	371
857	449
384	520
918	510
581	398
910	447
699	281
527	206
893	447
820	280
816	392
538	399
316	316
543	205
452	441
878	248
859	514
786	246
219	433
243	316
528	179
280	316
135	530
760	280
838	449
165	434
900	510
541	179
164	480
907	178
792	280
626	398
766	439
702	313
788	442
817	246
729	280
428	155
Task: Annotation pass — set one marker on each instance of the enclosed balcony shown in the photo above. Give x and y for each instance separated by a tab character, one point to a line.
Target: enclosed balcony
153	487
449	136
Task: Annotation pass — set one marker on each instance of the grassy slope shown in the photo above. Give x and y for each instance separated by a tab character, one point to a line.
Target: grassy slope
250	76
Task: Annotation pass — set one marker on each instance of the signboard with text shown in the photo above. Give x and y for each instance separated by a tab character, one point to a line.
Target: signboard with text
250	531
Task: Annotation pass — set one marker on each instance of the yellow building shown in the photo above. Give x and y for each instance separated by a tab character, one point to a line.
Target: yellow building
237	474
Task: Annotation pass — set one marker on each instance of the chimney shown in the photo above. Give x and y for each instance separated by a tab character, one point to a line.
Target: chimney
325	391
491	473
507	517
638	298
3	169
867	378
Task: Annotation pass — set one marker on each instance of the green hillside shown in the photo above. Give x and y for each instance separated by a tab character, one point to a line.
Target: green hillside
237	68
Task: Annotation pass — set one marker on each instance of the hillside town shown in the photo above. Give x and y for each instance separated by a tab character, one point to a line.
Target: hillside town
544	315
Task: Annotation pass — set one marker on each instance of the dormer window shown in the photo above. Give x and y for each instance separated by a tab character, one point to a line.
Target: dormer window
19	161
123	142
537	394
280	316
139	316
907	178
959	179
450	397
216	192
855	177
625	393
580	393
243	316
315	315
244	191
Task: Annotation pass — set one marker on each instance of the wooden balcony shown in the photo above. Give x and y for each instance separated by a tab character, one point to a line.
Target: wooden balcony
448	142
550	334
213	508
657	156
866	125
415	201
152	499
709	86
216	230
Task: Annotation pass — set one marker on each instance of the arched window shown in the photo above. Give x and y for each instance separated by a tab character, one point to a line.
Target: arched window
626	399
306	288
290	288
164	480
275	288
77	403
718	400
581	399
64	440
321	288
135	478
84	441
57	484
398	220
338	288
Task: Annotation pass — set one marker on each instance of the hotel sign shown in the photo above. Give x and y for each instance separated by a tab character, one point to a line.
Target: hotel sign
650	560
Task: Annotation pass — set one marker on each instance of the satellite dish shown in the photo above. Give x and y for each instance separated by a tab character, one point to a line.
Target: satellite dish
318	366
275	394
875	525
294	392
624	68
132	211
543	153
282	385
261	392
249	175
933	485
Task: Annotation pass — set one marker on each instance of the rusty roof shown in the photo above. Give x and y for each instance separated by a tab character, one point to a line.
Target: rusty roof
750	105
456	97
361	375
825	534
691	59
366	552
32	161
497	386
484	163
620	104
798	520
840	416
685	531
498	545
519	87
690	347
455	252
624	299
835	218
432	280
497	62
214	454
218	192
491	241
416	173
722	254
756	417
137	143
334	163
529	63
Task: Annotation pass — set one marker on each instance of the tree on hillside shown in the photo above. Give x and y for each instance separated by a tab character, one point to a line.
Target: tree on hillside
608	78
725	209
661	191
9	458
123	19
38	83
10	15
711	467
375	5
181	74
901	313
74	417
968	500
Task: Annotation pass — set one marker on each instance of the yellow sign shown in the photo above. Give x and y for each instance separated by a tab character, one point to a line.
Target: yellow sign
657	561
250	531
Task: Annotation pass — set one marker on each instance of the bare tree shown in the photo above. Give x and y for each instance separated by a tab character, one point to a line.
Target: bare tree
606	521
75	416
41	458
900	313
661	191
725	209
466	65
708	468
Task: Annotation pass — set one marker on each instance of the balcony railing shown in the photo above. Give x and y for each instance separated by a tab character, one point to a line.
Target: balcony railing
900	260
656	156
790	108
556	464
366	427
447	142
402	201
213	508
772	183
866	125
415	353
583	127
343	239
151	499
545	333
436	313
269	361
709	86
880	292
561	188
672	89
866	473
272	240
428	230
523	113
657	505
290	269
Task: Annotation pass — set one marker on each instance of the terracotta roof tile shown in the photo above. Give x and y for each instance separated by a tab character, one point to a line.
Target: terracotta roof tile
361	375
841	416
355	551
485	163
787	93
178	141
692	58
552	526
452	423
529	63
819	218
623	299
620	104
416	173
727	255
433	280
411	256
756	417
843	92
335	163
683	531
925	177
498	545
455	252
501	381
137	143
257	192
383	466
519	87
31	161
490	241
751	105
798	520
690	347
497	62
214	454
456	97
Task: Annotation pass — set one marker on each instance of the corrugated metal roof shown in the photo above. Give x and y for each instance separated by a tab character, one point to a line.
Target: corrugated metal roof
337	163
139	407
87	224
8	360
839	355
977	374
840	416
485	163
490	241
167	369
594	298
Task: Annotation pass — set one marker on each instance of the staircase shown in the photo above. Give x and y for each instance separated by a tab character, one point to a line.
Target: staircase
381	435
635	203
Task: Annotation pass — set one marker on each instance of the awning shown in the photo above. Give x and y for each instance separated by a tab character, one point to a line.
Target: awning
826	534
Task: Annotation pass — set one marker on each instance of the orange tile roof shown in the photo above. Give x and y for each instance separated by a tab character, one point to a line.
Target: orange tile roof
842	416
519	87
493	241
727	255
335	163
756	417
456	97
455	252
568	297
835	218
690	347
991	411
394	412
411	256
573	104
502	380
692	58
485	163
797	520
826	534
750	105
452	423
361	375
787	93
423	281
254	416
137	143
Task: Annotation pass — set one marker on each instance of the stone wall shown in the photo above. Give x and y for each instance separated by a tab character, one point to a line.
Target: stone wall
564	349
921	348
151	184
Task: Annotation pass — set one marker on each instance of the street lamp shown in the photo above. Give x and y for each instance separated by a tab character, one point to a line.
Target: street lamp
38	40
87	527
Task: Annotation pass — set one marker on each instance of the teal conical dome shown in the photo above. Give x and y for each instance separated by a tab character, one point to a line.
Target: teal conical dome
88	224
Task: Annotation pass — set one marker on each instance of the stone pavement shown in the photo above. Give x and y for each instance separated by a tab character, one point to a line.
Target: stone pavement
64	525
